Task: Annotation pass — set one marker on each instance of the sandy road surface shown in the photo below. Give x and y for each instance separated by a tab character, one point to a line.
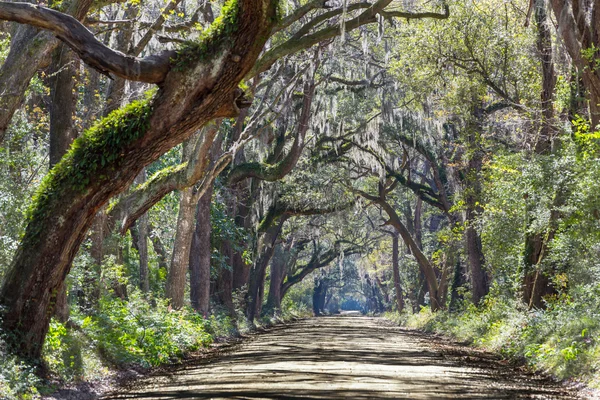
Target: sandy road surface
345	358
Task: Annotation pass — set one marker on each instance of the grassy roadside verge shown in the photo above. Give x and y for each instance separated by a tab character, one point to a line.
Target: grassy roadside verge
91	353
562	340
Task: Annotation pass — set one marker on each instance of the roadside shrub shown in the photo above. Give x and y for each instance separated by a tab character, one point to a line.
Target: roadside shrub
17	378
562	340
133	331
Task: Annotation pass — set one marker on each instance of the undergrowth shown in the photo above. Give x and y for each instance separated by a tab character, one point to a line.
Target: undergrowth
137	332
562	340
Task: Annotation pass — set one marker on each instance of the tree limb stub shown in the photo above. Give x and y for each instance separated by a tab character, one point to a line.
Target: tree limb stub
152	69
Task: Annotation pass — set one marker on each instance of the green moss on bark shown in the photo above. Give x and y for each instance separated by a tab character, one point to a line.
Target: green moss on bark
211	40
95	155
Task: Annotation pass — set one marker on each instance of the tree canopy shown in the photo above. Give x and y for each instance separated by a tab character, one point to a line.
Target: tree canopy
233	161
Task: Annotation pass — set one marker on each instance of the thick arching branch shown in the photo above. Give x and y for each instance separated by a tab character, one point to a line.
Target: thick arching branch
273	172
152	69
195	170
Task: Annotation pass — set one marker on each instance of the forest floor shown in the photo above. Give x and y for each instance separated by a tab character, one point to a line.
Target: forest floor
344	357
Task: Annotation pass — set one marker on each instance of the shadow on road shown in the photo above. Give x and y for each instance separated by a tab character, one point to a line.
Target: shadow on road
345	358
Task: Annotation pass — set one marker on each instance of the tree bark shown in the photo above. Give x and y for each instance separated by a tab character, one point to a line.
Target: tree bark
277	272
473	198
265	248
396	273
65	205
176	279
200	256
544	46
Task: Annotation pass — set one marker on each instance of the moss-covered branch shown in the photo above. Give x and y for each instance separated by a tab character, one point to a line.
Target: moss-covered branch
273	172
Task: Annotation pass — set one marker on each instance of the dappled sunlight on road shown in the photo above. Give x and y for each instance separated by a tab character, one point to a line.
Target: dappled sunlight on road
343	358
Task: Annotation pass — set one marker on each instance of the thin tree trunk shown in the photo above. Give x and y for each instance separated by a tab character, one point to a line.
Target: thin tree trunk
319	293
240	269
265	248
225	281
421	259
396	273
142	243
62	129
457	282
159	248
277	272
116	87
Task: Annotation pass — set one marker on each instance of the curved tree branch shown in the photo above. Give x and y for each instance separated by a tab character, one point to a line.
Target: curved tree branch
368	16
152	69
273	172
195	169
320	261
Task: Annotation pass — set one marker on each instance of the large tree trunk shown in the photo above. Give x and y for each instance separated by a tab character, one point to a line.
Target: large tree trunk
396	273
97	170
176	278
473	199
200	256
536	283
544	46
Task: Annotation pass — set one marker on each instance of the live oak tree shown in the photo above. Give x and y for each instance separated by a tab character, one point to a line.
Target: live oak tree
197	83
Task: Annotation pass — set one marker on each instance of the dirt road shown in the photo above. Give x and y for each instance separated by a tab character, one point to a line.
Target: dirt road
345	358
